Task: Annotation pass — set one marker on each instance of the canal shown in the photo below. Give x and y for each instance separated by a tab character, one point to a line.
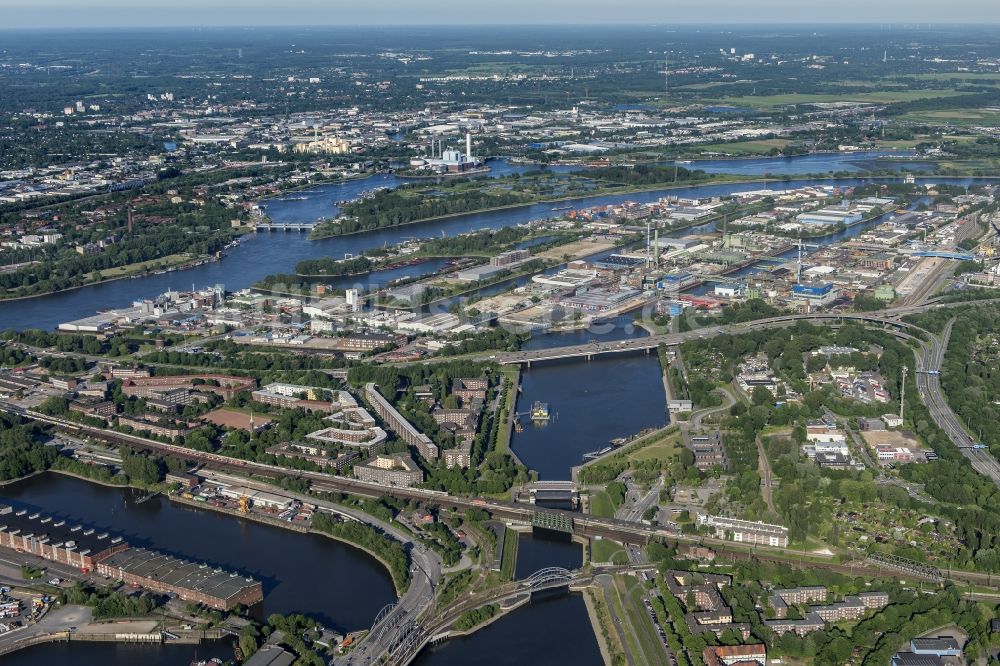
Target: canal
590	402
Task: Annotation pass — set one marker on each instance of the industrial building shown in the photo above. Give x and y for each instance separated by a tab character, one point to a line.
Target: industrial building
55	539
196	583
480	273
941	646
815	294
831	216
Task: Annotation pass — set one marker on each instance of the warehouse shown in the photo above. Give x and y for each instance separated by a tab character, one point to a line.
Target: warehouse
197	583
54	539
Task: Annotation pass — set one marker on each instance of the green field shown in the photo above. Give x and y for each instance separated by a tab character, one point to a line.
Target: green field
978	77
882	97
664	449
963	117
639	625
511	375
601	505
744	147
139	267
605	550
508	561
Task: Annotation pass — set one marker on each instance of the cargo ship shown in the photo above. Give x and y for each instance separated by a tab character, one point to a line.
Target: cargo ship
540	411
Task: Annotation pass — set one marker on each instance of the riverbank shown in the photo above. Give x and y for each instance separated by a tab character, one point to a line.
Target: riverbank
597	627
251	516
293	527
116	632
302	187
200	261
695	158
715	179
627	448
730	180
317	234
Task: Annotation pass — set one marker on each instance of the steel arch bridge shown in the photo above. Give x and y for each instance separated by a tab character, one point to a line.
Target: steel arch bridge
547	577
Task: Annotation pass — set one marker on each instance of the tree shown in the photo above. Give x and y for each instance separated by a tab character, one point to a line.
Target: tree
142	468
761	396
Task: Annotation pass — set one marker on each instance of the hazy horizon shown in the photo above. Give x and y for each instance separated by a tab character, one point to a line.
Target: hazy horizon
320	13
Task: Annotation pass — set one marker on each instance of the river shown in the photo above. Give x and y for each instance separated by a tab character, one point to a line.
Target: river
339	585
267	253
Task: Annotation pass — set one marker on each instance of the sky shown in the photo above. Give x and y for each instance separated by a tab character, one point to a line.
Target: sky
163	13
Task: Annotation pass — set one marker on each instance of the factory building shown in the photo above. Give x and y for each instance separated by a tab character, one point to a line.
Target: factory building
815	294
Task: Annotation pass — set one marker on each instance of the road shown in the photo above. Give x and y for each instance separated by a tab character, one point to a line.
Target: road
764	468
63	618
607	584
929	386
728	401
632	509
884	318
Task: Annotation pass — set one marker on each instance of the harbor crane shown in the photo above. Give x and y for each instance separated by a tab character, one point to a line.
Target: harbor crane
798	270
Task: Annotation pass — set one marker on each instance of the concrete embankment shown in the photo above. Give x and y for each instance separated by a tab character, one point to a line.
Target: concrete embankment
86	636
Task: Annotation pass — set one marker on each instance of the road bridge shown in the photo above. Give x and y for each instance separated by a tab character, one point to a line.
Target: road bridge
651	342
286	226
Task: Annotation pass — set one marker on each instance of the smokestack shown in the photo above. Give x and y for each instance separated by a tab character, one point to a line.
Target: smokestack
468	146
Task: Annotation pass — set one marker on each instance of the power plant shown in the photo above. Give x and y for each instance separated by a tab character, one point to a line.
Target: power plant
450	160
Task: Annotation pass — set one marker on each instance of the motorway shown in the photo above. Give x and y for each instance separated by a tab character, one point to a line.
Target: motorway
929	386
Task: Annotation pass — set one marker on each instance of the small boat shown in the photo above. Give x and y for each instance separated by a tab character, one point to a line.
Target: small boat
540	411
